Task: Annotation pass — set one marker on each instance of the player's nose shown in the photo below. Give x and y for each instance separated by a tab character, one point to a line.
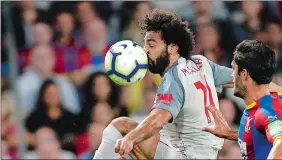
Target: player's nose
146	49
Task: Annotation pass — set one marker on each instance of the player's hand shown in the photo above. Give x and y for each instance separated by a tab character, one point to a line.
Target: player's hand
221	128
123	147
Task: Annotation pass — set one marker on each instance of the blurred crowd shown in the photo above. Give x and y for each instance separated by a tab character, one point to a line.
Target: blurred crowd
65	97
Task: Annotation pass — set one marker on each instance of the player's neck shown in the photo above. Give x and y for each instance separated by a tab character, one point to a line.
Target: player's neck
171	62
255	92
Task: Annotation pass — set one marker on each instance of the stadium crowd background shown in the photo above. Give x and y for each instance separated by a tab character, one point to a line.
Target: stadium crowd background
65	98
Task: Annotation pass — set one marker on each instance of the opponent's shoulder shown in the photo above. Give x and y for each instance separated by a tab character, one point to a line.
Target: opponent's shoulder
279	95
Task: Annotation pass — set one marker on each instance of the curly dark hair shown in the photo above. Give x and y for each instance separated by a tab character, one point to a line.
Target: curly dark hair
172	28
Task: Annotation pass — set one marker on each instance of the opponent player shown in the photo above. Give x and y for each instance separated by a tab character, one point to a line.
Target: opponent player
260	132
173	128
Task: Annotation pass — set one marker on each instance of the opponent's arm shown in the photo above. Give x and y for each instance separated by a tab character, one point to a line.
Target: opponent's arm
221	128
276	151
273	131
150	126
274	87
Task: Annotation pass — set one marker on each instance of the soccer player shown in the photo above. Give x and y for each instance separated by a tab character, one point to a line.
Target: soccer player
172	130
260	131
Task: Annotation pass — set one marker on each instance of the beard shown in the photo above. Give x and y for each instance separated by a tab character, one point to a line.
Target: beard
161	63
239	89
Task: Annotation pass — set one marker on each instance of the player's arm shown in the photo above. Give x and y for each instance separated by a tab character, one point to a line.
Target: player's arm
223	77
276	151
150	126
274	87
274	135
168	104
268	118
221	128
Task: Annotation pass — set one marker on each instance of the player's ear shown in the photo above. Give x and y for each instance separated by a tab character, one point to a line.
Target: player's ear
244	74
173	48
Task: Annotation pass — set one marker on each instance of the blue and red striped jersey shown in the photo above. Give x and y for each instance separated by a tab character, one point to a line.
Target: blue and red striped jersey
260	126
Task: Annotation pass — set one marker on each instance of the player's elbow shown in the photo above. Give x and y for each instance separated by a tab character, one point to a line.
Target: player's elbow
159	118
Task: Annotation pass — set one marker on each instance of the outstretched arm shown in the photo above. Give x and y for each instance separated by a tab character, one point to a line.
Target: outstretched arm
274	87
148	128
221	128
223	76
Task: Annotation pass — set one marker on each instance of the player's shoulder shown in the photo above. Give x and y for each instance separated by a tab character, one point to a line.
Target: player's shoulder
197	56
279	95
199	59
269	106
172	73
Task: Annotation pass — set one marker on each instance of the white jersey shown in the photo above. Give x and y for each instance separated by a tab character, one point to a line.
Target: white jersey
187	87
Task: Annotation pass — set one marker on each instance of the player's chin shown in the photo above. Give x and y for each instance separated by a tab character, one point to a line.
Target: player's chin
237	93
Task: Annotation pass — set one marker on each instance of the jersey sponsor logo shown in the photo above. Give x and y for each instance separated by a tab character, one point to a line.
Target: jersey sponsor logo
165	98
272	118
248	126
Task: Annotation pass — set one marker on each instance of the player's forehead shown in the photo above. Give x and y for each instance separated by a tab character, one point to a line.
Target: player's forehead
152	35
233	64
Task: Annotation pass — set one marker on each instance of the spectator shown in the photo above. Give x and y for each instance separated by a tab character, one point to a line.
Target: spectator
249	20
41	67
67	38
43	34
91	55
208	44
101	115
48	146
50	112
137	10
9	130
24	15
86	12
149	97
230	112
94	138
274	38
99	88
4	149
212	12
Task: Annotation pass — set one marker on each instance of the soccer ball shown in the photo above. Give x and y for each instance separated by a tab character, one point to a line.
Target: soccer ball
126	62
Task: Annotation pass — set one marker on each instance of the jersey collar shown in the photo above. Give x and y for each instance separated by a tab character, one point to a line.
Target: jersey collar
252	105
179	60
263	100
